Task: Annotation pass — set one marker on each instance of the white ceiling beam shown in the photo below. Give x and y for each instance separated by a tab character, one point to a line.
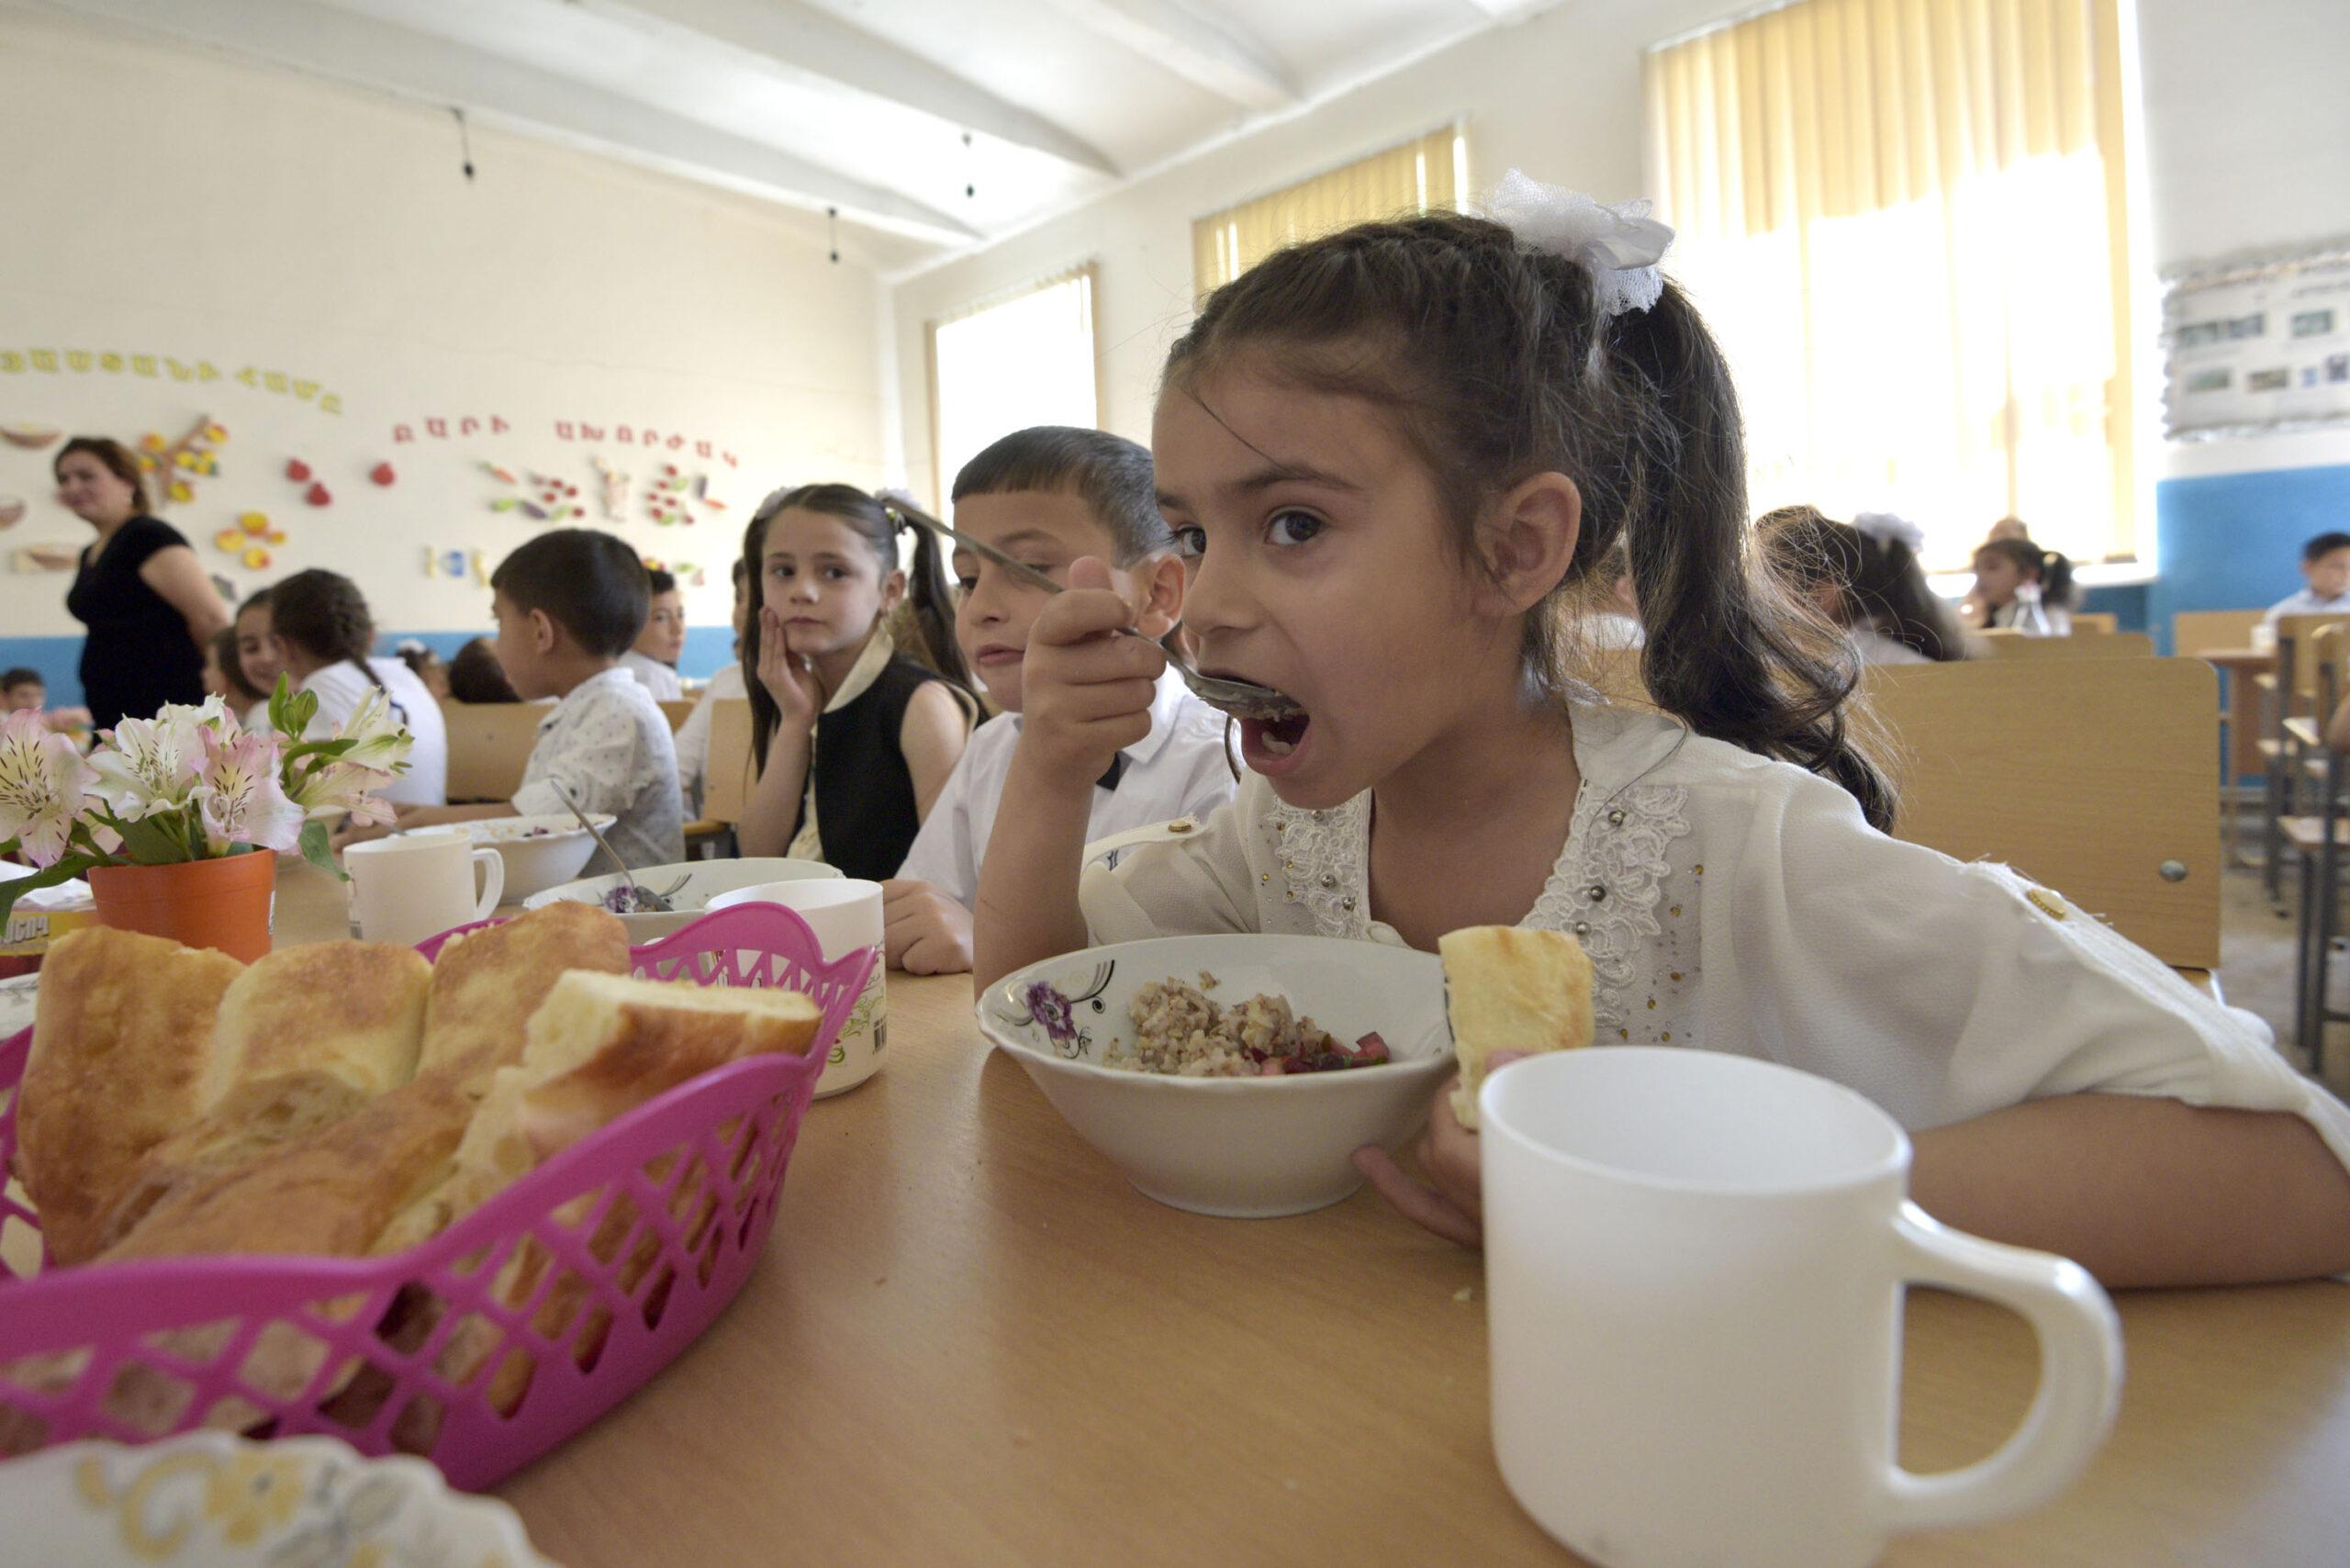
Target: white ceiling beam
344	47
1215	53
800	37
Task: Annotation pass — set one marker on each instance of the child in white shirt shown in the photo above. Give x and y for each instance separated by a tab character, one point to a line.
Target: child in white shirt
1049	496
322	631
1387	452
653	659
2325	578
568	604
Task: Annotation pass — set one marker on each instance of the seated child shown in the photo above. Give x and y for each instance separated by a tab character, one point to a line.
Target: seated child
1387	452
325	638
2012	575
2325	579
1049	496
568	604
852	740
257	658
726	684
652	659
1863	577
21	689
475	675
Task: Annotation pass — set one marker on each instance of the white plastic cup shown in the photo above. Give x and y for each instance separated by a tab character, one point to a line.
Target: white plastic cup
846	915
1694	1273
416	885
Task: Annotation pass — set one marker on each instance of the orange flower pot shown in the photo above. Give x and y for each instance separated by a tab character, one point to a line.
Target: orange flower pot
222	904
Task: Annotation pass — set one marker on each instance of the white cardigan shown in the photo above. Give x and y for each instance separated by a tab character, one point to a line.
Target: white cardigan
1736	903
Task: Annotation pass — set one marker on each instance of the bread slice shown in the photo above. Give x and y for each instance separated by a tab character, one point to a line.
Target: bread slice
120	1060
304	1038
485	985
1508	989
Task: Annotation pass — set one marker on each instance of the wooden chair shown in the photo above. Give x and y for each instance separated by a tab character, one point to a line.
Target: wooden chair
2095	623
678	713
2198	631
2005	644
2318	842
726	777
2224	637
2288	691
489	745
2092	776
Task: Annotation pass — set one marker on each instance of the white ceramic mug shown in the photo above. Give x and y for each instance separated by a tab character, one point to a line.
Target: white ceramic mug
845	914
1693	1270
416	885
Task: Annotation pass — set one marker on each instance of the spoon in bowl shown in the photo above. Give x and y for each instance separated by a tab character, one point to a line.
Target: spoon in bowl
1241	698
647	901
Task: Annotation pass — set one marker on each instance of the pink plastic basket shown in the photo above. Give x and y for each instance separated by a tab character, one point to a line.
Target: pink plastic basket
630	1242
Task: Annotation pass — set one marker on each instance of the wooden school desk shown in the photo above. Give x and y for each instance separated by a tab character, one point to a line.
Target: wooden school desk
970	1342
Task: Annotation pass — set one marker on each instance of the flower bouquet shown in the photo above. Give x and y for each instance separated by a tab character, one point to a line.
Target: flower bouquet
188	785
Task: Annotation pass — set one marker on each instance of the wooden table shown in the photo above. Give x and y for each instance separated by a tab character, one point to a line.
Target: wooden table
970	1342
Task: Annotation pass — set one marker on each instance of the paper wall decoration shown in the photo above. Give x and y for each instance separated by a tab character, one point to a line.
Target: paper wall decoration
440	428
298	470
382	474
46	558
317	494
51	362
12	510
688	574
671	497
613	490
439	562
644	436
249	541
32	436
175	466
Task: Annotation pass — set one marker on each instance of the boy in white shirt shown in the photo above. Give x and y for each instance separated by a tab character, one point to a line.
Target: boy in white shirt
568	604
2325	569
653	659
1047	496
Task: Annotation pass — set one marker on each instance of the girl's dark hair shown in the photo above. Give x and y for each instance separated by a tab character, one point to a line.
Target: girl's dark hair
2054	572
1497	366
930	601
325	615
119	462
1880	581
232	669
475	675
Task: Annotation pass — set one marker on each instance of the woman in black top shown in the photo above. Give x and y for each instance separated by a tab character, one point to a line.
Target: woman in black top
141	590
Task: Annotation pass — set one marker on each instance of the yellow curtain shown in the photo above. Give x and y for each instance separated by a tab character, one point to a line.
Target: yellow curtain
1905	221
1427	172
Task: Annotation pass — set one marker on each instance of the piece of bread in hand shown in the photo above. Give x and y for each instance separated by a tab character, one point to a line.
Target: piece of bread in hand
121	1058
1508	989
487	984
305	1036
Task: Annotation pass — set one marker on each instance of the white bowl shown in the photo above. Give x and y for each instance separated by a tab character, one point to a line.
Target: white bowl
539	851
705	880
1241	1147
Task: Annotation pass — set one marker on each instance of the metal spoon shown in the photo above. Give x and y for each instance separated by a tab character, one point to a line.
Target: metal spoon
1241	698
646	900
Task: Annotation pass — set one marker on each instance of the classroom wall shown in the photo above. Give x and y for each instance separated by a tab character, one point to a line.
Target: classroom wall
305	264
2247	146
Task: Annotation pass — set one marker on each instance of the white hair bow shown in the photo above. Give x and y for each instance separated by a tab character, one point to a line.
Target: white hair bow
1618	245
1888	529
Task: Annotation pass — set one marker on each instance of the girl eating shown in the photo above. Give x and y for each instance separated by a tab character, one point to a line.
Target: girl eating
851	742
1388	454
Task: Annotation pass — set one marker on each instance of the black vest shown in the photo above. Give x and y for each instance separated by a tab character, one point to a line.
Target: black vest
865	795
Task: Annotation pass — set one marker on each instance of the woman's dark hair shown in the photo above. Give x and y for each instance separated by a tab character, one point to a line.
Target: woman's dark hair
232	669
119	460
930	601
1880	581
1496	366
324	614
475	675
2054	572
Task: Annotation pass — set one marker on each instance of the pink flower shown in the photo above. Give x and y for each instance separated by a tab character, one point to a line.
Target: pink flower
42	781
242	800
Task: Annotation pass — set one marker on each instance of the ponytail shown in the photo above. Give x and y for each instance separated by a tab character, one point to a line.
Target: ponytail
1873	569
930	597
2057	589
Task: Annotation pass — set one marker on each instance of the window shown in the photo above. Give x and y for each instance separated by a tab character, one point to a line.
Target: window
1905	221
1430	171
1000	368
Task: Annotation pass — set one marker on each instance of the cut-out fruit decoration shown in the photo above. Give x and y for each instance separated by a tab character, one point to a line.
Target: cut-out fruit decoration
556	499
12	510
31	436
46	558
316	495
503	476
256	559
177	464
382	474
249	540
688	574
612	490
441	563
298	470
670	497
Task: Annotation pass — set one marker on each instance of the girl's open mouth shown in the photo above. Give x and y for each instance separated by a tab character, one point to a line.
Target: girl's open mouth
1268	742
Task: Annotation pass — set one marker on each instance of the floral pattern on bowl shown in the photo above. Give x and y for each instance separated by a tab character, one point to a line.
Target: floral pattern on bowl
211	1500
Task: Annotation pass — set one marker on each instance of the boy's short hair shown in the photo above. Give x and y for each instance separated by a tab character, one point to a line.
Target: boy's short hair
22	675
589	583
1109	473
2324	545
659	581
